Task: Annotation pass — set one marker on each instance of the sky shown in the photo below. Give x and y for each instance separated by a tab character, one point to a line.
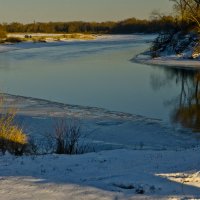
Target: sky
26	11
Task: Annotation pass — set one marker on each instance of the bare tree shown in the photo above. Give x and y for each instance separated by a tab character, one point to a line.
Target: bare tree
180	7
188	10
193	11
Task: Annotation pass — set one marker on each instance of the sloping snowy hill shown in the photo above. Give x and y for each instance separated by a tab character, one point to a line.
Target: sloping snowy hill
118	174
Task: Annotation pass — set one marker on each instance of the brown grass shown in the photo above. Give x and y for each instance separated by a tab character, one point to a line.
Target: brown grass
12	137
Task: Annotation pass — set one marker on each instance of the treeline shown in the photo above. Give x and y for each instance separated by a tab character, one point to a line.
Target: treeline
127	26
185	36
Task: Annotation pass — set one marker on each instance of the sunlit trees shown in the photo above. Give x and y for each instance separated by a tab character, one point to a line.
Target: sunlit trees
193	11
188	11
188	111
186	105
180	8
3	34
182	36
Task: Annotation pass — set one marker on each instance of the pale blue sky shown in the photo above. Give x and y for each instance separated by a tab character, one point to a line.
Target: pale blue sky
85	10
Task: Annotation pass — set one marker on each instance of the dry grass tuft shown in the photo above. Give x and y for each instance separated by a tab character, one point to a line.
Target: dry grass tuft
12	137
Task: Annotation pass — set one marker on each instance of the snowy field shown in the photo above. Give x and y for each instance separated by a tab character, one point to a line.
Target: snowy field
108	175
165	166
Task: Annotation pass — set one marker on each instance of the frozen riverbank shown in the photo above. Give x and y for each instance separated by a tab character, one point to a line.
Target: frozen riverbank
150	160
104	129
177	49
37	40
51	40
167	61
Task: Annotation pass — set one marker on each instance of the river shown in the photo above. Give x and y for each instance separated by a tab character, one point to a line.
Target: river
93	73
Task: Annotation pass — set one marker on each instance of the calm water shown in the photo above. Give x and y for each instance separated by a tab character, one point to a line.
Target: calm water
97	73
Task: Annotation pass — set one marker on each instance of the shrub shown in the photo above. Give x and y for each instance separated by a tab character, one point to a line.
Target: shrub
13	40
160	43
39	39
67	135
175	43
12	137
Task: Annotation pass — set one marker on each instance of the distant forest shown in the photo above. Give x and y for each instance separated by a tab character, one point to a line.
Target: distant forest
127	26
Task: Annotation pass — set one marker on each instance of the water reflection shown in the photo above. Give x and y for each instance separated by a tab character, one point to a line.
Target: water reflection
188	112
186	105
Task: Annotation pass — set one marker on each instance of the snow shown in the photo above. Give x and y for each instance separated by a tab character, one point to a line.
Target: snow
166	165
168	61
103	129
50	40
21	35
116	174
181	51
196	55
187	58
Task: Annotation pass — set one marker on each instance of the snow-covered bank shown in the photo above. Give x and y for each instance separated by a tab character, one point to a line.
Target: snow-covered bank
118	174
50	41
167	61
104	129
173	50
38	40
45	37
150	160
